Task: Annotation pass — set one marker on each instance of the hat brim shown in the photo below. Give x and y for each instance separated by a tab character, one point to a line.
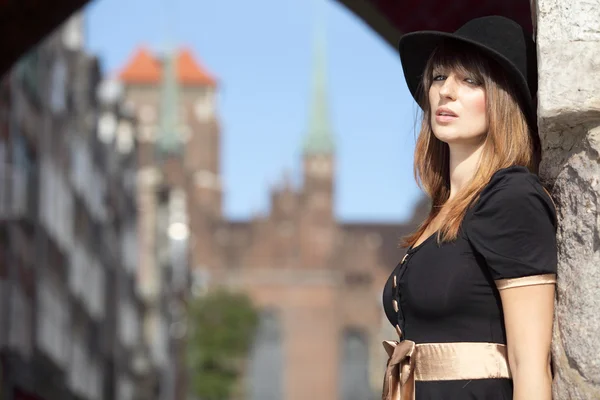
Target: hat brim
416	48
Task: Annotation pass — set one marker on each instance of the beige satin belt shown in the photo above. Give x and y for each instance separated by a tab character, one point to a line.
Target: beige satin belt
409	362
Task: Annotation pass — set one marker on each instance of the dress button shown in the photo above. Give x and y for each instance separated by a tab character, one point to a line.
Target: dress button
395	283
395	304
398	331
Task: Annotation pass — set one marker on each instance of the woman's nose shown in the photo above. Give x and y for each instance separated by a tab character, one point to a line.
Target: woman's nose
448	89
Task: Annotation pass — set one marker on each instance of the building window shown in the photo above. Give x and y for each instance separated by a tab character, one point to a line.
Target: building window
374	240
28	72
185	132
58	94
128	323
125	135
358	278
52	318
267	359
125	389
107	126
129	248
354	372
204	106
206	179
147	133
147	114
20	317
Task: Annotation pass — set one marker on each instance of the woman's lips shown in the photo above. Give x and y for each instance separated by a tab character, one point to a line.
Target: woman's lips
444	115
445	118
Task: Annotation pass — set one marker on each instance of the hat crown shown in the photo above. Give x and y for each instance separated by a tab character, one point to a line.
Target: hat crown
493	24
502	35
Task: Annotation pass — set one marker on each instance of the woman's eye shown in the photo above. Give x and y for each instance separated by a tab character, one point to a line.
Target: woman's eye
439	77
472	81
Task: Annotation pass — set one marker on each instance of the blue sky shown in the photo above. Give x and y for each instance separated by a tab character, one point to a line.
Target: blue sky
261	52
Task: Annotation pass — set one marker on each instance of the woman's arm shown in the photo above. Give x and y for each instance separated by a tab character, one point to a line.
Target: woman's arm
528	316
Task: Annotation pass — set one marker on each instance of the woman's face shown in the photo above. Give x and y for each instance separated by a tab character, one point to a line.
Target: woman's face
458	109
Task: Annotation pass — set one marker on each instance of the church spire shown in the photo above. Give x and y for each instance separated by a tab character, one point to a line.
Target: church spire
319	138
169	137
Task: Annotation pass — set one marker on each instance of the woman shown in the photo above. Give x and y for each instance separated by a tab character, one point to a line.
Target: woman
472	299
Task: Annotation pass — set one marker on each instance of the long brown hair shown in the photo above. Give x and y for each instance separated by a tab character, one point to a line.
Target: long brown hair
510	139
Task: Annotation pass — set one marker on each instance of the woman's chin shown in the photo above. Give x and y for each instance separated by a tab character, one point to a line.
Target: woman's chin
452	137
447	136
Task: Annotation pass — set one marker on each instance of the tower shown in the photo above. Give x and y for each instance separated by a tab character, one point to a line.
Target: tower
203	148
319	145
178	188
318	152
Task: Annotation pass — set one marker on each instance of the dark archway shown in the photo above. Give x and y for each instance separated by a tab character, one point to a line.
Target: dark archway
23	23
391	18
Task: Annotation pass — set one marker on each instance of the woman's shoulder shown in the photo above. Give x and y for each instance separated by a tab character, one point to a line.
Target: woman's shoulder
514	191
513	226
513	181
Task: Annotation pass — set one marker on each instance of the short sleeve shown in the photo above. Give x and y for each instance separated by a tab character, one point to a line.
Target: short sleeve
513	228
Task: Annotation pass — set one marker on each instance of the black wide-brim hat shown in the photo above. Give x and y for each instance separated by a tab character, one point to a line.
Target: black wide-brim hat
500	38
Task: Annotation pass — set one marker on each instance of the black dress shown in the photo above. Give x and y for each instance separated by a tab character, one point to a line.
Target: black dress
448	292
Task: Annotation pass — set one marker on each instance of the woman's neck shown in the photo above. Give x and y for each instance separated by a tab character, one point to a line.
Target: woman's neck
463	164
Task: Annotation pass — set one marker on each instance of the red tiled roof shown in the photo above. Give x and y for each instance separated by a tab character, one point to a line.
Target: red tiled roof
191	72
143	67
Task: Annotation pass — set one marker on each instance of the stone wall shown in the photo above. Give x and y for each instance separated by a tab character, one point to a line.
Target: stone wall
568	40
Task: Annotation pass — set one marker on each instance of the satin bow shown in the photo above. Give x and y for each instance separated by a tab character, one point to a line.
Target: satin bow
399	380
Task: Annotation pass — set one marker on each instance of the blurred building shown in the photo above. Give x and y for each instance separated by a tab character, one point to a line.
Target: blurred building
70	309
317	280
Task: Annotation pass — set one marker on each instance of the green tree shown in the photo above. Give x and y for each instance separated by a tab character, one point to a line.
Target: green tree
222	327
